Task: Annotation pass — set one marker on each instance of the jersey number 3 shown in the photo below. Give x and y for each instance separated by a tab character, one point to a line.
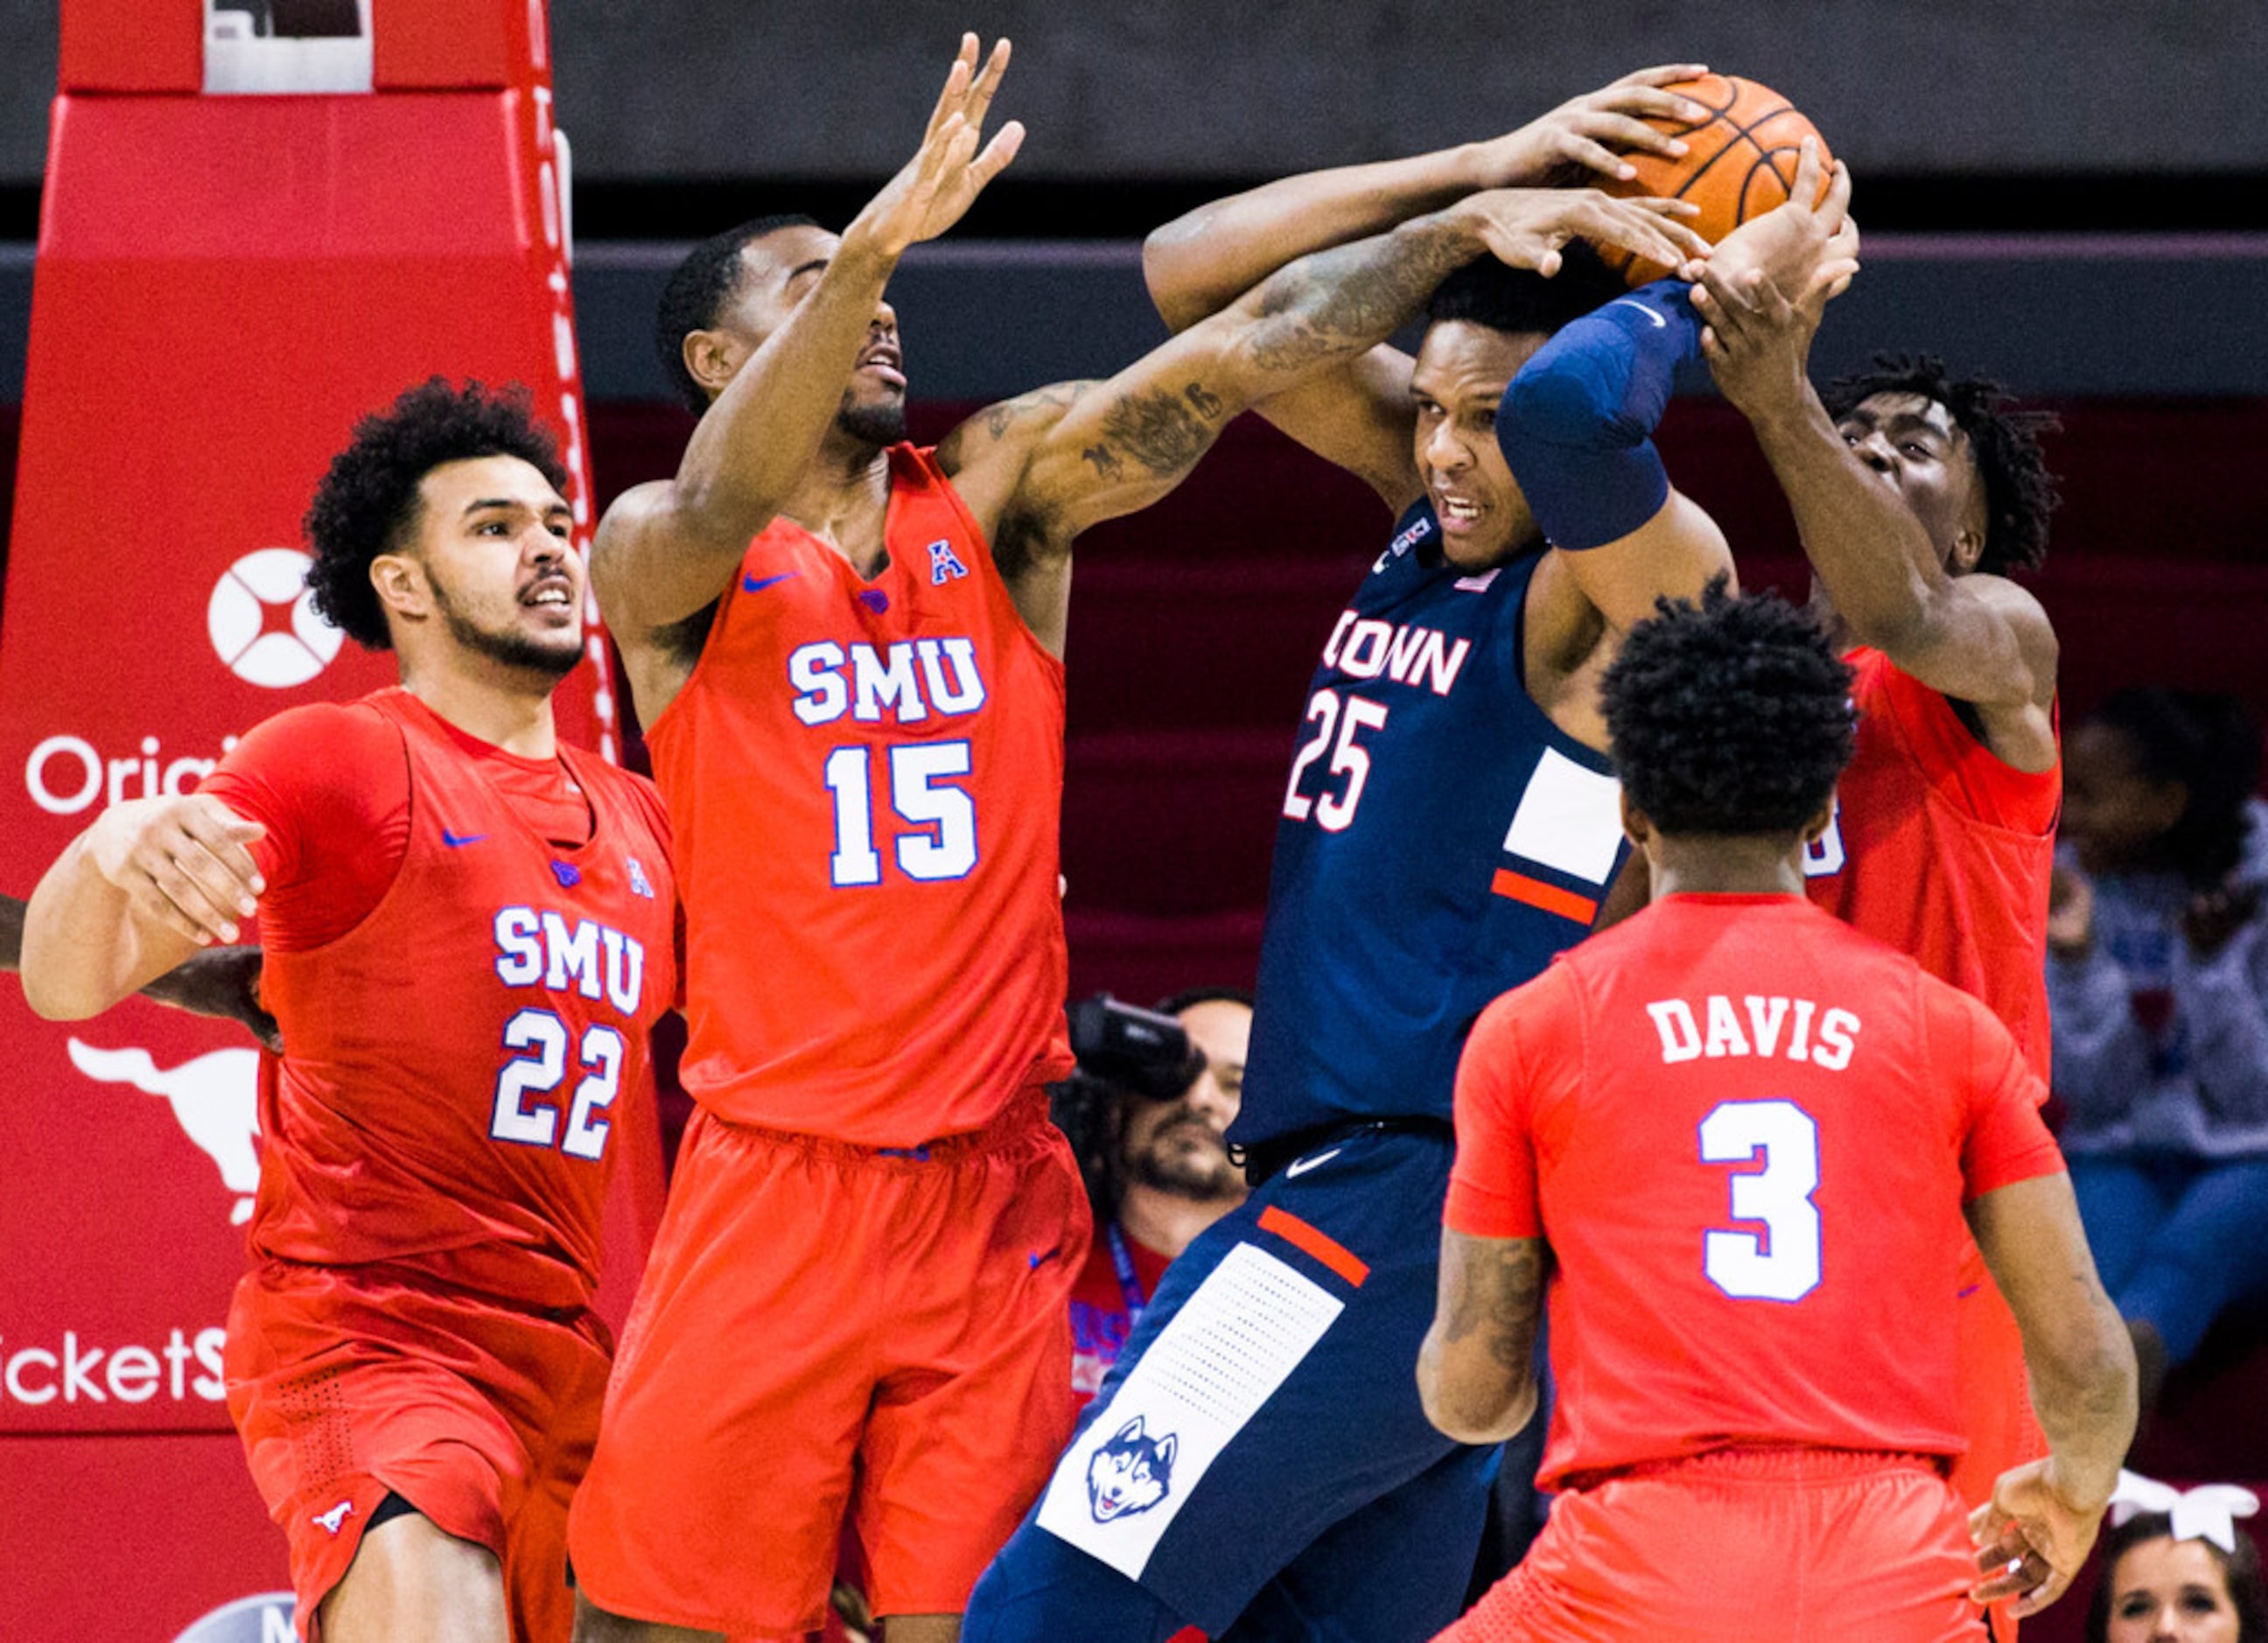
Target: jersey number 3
1784	1264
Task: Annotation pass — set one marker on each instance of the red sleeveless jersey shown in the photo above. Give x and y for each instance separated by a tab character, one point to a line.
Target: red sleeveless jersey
866	778
454	1063
1746	1132
1942	850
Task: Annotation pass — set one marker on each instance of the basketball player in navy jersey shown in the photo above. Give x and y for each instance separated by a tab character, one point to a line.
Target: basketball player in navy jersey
1258	1463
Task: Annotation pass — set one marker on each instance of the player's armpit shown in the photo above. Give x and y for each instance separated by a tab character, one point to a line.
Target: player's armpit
1477	1370
1984	640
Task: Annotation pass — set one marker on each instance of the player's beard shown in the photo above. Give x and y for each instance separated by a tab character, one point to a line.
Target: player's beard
878	422
512	647
1198	1174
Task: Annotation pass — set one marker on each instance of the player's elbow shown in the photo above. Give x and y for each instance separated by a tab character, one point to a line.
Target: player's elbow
56	995
1163	254
1474	1407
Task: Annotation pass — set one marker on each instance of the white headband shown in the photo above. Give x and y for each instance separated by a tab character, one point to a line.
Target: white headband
2208	1512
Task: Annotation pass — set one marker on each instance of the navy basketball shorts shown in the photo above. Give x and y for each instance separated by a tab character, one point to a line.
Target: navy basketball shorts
1258	1449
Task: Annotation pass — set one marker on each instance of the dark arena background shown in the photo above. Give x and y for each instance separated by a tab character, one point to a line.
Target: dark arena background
2072	198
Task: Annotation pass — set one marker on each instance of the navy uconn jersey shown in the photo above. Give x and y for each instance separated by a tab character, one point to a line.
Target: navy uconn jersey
1440	840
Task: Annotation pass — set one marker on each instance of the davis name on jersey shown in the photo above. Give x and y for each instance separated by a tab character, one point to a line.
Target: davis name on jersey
906	679
540	950
1685	1039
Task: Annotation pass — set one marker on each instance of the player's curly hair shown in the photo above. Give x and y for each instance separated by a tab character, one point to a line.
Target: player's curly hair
2209	742
697	291
367	503
1729	717
1520	301
2240	1569
2019	493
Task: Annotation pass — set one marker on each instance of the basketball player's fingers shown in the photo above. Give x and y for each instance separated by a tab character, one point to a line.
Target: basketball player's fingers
1834	278
1629	135
1650	237
1810	174
1667	214
1662	74
1836	205
997	152
173	897
986	85
956	85
223	834
219	884
2045	1592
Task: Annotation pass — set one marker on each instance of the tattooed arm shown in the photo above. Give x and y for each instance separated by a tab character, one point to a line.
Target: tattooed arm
1477	1370
1038	471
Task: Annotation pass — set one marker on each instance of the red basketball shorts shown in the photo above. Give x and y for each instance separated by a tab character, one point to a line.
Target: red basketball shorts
1744	1546
481	1418
825	1329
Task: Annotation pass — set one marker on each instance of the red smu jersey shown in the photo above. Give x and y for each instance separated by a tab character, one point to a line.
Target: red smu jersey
1943	850
866	778
1746	1133
455	1062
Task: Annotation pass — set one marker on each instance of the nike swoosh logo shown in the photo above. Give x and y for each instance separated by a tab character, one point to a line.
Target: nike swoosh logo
1039	1261
453	840
1660	324
1306	1164
750	584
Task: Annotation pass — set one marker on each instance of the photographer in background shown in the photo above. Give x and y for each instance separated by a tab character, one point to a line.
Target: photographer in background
1154	1094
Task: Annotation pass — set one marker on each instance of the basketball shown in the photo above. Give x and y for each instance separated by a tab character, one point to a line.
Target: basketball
1740	161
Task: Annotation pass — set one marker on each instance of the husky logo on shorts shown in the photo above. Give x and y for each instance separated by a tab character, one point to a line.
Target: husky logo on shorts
337	1515
944	564
1131	1473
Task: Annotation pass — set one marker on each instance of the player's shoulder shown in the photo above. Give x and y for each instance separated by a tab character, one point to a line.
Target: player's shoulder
316	734
635	792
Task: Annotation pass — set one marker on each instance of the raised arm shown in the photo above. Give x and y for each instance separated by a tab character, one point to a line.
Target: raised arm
1477	1369
2043	1516
1357	414
665	550
1976	638
151	882
1045	468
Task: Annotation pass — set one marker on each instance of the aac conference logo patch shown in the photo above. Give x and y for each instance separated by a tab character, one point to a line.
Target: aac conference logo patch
262	620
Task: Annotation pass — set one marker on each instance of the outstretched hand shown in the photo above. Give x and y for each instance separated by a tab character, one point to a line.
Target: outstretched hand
1592	133
1526	227
941	181
1763	291
181	864
225	983
2030	1541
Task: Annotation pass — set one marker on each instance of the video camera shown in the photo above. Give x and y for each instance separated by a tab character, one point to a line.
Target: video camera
1131	1049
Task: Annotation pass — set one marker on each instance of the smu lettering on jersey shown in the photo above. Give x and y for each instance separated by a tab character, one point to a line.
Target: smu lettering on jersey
1440	840
455	1063
867	776
1942	850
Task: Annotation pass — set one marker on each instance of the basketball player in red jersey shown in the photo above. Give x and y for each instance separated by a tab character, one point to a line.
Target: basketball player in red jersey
1915	496
1728	1139
469	929
848	653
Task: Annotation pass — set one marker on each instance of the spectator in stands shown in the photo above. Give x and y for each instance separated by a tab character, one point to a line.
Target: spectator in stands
1162	1175
2177	1569
2158	985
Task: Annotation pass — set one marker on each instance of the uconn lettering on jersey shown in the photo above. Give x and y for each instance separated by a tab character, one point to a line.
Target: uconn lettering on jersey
1364	647
905	682
542	949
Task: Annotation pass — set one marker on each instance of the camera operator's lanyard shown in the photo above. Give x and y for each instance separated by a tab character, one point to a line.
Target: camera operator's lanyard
1130	1286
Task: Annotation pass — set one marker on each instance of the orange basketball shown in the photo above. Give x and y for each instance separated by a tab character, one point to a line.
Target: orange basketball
1740	161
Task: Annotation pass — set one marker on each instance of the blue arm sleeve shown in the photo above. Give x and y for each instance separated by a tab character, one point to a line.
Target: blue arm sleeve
1576	424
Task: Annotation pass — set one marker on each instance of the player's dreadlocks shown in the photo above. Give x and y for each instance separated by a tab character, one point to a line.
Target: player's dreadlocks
2208	741
1485	291
368	501
697	291
1731	716
2019	493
